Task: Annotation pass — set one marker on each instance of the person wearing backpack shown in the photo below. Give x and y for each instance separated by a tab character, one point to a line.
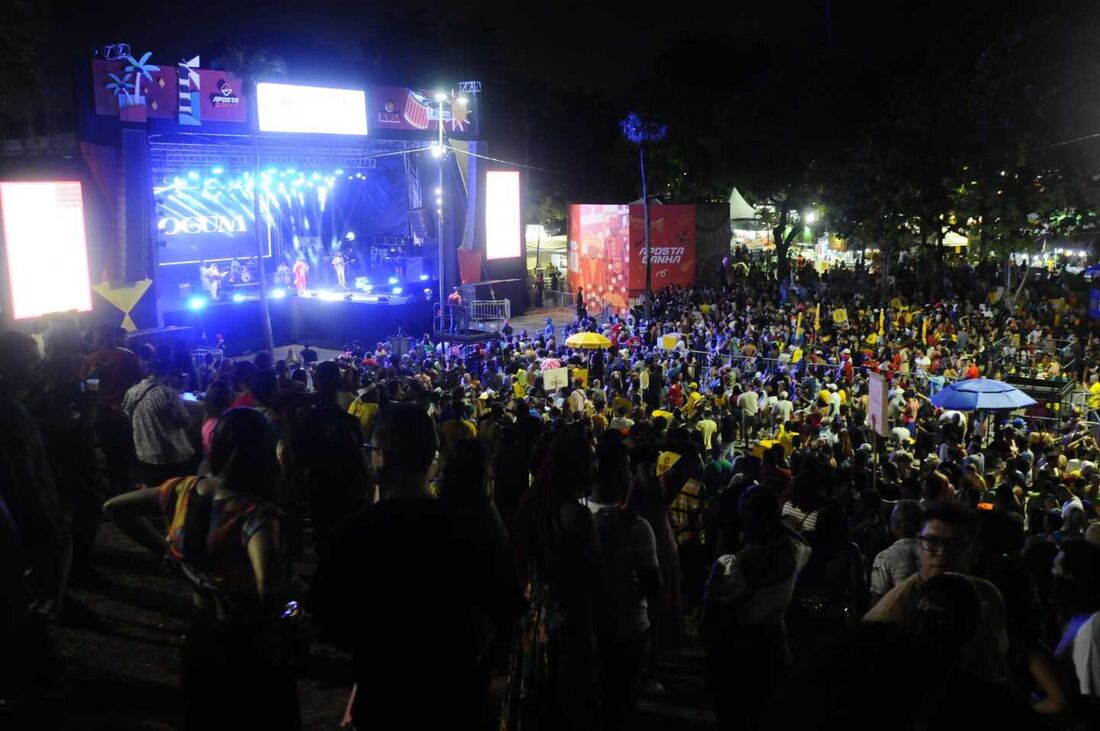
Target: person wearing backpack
224	534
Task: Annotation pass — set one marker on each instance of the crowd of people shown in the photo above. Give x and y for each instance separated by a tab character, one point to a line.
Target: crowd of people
492	553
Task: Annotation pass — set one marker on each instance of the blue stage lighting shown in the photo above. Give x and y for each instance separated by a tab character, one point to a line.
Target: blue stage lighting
239	297
340	171
193	175
392	280
424	277
218	170
196	303
331	296
350	236
397	290
278	294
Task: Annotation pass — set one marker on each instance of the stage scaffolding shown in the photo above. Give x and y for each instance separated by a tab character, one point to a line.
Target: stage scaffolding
170	154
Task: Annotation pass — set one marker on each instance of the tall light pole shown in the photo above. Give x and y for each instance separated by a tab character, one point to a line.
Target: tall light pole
440	153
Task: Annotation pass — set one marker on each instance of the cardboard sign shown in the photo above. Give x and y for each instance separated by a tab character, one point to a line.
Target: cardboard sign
876	406
555	378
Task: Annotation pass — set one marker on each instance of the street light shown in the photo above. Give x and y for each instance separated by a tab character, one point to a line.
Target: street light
438	152
811	217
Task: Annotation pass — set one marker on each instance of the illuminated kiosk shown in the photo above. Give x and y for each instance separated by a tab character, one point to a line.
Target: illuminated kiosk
346	225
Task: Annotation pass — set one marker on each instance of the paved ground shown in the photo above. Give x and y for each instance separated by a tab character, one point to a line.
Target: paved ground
121	641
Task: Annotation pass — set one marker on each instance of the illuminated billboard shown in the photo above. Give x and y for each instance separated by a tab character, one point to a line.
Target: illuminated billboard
311	109
503	229
46	247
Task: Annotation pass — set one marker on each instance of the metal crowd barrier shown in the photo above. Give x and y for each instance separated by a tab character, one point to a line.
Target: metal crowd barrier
490	310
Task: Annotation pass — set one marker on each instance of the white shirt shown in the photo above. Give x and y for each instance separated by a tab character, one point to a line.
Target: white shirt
1081	642
749	402
783	409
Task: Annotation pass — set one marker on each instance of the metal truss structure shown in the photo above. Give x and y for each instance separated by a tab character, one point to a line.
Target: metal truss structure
233	151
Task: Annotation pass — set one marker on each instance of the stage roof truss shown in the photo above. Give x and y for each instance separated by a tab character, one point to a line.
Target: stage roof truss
239	152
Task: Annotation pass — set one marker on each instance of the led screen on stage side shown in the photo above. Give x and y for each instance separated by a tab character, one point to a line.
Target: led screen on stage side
502	215
311	109
46	247
212	220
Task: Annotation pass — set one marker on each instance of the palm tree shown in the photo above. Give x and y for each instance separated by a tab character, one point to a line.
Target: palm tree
250	65
121	87
640	132
139	67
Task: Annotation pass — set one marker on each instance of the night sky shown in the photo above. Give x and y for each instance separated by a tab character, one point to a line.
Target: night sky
558	75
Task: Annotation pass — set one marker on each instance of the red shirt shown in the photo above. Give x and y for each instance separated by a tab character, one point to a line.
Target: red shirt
245	399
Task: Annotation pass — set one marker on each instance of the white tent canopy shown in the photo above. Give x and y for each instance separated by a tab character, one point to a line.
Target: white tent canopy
739	207
950	238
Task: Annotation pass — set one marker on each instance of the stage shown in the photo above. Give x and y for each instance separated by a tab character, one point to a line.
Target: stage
328	320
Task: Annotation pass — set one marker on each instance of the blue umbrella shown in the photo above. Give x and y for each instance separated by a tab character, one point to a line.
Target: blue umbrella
981	394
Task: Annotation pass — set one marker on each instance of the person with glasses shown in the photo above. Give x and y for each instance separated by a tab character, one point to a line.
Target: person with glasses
946	544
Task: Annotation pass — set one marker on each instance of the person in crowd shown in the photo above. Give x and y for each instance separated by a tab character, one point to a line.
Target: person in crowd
630	586
414	549
325	458
747	596
224	532
160	426
556	547
1077	591
218	400
463	485
946	543
897	563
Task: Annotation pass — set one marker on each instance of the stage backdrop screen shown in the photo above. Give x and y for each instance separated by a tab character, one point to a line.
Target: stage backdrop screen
46	247
311	109
503	230
209	219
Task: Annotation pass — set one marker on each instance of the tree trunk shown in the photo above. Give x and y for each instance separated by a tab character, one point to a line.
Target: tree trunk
645	216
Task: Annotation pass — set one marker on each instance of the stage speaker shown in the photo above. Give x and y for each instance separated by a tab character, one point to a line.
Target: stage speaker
135	207
415	266
422	223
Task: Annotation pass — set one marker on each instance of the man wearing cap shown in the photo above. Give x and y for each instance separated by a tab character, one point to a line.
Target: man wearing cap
401	583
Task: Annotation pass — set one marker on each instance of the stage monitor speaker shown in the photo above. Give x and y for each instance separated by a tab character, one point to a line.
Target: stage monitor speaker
415	266
135	219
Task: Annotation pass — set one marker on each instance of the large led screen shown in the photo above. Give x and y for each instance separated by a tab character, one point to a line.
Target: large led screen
502	215
311	109
46	247
209	217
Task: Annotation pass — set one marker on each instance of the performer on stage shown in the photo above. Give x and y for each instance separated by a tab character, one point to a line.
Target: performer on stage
340	265
212	276
301	269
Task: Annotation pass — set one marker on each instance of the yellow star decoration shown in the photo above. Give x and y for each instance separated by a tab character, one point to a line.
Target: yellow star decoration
124	298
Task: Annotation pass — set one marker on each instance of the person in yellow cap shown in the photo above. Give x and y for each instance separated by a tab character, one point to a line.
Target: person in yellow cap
693	399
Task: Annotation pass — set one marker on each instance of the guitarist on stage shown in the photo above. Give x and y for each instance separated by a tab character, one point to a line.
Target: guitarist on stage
212	276
339	263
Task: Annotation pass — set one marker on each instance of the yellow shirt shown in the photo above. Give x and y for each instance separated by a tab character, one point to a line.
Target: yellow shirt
366	412
456	430
1094	396
519	387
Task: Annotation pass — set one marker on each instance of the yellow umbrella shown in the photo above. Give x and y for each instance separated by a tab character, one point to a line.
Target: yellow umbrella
587	341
